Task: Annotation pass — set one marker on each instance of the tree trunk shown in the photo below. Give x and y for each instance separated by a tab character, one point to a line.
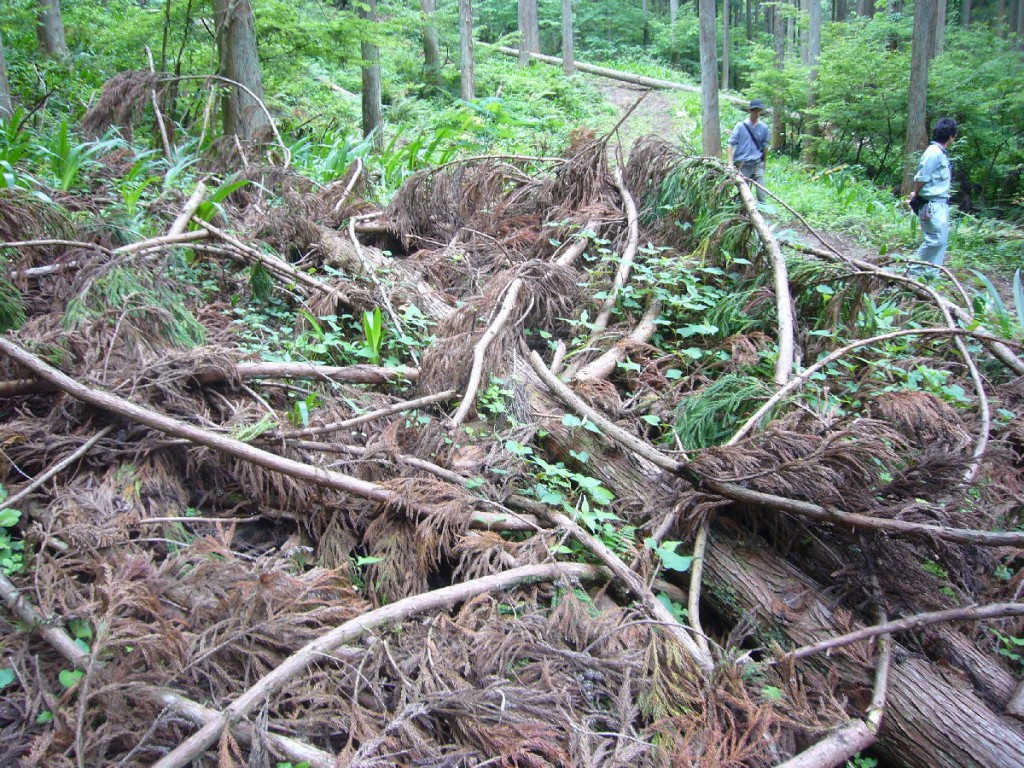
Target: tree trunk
50	29
431	47
709	118
673	17
866	8
568	61
1020	19
529	31
778	108
6	108
917	117
937	40
813	54
748	19
373	110
842	10
931	720
647	24
467	77
1001	18
965	14
236	45
725	44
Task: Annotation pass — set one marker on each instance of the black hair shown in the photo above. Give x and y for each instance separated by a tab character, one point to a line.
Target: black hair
944	130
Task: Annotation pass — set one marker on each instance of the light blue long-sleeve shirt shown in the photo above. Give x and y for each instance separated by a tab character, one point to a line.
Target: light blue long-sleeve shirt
934	170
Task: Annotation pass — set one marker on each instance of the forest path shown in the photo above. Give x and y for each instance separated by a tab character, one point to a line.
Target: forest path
659	113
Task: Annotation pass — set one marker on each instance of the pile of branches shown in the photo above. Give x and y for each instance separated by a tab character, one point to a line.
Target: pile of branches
405	576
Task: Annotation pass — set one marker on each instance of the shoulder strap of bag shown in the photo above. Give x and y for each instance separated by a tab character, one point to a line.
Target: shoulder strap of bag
753	138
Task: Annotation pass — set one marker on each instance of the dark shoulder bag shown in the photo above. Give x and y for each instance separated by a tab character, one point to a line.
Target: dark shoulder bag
917	203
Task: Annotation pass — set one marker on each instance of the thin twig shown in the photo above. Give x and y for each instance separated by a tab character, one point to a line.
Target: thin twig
700	546
168	150
406	405
628	255
191	206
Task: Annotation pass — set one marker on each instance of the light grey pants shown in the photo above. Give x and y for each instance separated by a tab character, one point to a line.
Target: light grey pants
754	170
934	219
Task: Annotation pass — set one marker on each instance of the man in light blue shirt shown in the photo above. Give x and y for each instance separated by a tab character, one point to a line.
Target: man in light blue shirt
748	147
931	184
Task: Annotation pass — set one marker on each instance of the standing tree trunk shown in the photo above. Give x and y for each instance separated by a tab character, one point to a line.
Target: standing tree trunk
568	62
647	23
466	50
937	40
917	116
6	109
725	44
778	108
236	45
813	54
866	8
709	117
373	109
50	29
1001	18
431	48
965	14
673	15
1020	19
529	31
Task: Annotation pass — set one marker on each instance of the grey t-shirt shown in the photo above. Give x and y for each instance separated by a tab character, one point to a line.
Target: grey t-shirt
746	150
934	170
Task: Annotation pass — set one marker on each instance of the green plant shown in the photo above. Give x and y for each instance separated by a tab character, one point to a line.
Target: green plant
373	334
69	159
1011	647
12	550
861	761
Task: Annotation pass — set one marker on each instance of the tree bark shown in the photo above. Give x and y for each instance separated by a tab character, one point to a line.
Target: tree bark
813	54
965	14
725	44
239	61
568	55
467	76
866	8
529	31
778	107
931	721
673	16
50	29
6	108
937	39
431	47
373	110
710	119
917	117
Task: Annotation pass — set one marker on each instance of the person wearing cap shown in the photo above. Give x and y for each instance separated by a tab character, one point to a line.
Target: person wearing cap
931	184
748	147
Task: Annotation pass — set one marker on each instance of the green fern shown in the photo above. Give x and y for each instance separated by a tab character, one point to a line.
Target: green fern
710	416
12	308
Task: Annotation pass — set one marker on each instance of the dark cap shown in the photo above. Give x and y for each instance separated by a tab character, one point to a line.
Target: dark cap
757	104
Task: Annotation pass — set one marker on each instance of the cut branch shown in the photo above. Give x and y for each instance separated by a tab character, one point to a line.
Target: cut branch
626	263
407	405
480	350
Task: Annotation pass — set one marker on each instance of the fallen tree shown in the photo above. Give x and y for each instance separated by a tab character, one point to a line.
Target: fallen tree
399	499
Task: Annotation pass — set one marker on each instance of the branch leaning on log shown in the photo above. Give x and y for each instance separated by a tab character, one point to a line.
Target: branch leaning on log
780	503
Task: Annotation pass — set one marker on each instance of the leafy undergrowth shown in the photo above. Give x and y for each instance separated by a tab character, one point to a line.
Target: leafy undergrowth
197	561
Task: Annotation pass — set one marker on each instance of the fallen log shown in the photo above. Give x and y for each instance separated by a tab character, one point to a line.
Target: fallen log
932	721
625	77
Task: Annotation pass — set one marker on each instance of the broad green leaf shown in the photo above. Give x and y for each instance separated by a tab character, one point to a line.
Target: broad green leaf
70	677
